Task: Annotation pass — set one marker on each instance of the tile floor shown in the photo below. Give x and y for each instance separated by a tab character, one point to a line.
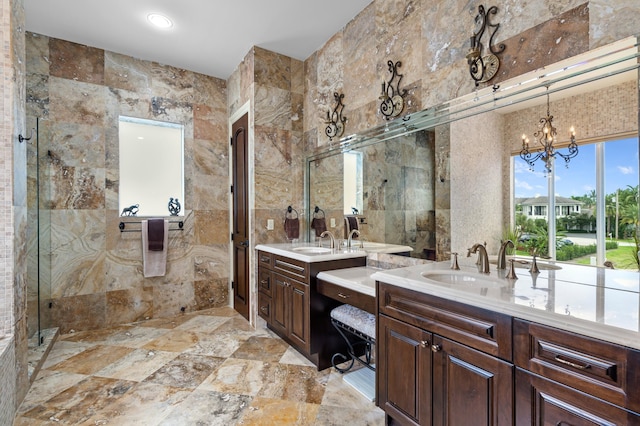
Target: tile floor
202	368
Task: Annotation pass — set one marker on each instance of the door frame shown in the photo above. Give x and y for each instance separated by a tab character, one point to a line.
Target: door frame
244	109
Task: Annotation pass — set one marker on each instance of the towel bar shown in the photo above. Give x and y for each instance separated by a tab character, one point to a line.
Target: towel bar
122	226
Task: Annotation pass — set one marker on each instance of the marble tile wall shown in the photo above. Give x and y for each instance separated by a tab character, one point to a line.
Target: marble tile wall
13	212
273	85
431	39
96	279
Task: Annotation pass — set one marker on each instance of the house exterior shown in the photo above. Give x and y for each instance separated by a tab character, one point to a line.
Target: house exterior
537	208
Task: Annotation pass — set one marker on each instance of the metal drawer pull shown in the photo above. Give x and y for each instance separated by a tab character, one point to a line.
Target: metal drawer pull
344	296
424	343
264	281
263	309
571	364
436	348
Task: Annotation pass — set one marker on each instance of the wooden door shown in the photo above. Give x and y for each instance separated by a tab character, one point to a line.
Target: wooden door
404	369
240	236
470	387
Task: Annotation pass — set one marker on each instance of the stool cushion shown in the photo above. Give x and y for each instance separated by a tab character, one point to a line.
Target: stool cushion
356	318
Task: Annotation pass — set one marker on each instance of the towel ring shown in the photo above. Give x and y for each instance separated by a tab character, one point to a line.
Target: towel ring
316	213
290	211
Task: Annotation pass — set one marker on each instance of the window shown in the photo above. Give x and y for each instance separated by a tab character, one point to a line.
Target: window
576	197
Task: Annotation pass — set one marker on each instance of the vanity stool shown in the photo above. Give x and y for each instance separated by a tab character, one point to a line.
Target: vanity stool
358	328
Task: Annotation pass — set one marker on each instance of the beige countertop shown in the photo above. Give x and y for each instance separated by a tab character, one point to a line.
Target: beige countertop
308	252
597	302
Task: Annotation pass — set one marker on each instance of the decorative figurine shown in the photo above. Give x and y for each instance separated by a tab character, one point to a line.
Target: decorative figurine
130	211
174	206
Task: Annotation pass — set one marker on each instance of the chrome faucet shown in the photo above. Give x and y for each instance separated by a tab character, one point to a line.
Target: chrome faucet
350	239
332	240
483	259
502	254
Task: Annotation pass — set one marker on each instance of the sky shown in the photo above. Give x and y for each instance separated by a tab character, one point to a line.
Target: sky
621	169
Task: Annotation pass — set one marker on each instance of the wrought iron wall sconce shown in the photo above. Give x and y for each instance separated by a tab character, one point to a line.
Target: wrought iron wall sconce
546	136
335	121
392	97
483	67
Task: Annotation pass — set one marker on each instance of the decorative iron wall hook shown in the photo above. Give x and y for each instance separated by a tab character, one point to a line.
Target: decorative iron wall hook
484	67
335	121
22	138
392	97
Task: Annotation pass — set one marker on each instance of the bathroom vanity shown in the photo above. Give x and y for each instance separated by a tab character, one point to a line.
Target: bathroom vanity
288	300
457	347
293	303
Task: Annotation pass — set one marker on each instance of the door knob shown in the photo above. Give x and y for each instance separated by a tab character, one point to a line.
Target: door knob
244	243
436	348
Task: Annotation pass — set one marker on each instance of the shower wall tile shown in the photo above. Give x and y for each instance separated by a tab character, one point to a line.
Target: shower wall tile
76	62
128	305
82	91
83	312
127	73
76	102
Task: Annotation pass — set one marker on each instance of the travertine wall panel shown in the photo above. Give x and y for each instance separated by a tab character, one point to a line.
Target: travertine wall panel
96	279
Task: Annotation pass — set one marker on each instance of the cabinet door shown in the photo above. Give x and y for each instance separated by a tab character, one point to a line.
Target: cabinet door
299	313
541	401
264	281
280	303
404	371
264	307
470	387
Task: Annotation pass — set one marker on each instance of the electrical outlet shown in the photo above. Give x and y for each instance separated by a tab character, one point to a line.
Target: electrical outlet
333	222
270	224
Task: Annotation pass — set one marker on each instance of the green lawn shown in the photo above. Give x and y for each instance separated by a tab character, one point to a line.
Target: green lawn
622	258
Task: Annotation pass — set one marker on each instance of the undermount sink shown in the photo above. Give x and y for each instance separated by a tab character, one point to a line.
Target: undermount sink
312	250
526	264
463	278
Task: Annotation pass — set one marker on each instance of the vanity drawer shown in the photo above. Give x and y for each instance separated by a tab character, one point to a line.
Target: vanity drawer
481	329
264	281
346	295
604	370
291	268
264	307
265	259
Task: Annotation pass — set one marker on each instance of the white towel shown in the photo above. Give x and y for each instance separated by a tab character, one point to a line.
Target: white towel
154	263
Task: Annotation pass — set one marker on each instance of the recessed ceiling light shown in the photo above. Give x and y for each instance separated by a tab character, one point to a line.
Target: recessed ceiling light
159	20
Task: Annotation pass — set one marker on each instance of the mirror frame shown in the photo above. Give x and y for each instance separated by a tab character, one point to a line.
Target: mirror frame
606	61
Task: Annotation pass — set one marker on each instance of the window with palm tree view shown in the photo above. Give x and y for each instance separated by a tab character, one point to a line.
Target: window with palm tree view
577	190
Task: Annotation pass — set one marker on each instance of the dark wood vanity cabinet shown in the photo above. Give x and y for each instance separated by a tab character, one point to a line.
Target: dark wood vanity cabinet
292	307
439	361
446	363
568	379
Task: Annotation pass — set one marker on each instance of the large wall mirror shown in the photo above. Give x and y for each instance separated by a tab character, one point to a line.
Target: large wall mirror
151	167
445	178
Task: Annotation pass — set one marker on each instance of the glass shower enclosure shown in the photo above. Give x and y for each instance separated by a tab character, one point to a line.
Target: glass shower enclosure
38	232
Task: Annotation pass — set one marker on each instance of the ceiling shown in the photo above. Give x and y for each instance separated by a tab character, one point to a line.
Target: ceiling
208	36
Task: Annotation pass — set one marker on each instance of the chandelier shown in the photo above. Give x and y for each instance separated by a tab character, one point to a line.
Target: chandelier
546	136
